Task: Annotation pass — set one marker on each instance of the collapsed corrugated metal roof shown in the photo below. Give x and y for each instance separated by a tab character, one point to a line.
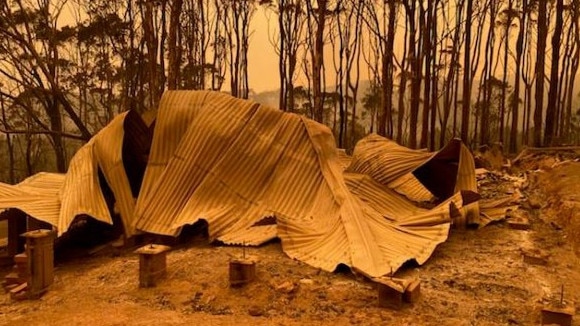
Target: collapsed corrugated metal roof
37	196
233	162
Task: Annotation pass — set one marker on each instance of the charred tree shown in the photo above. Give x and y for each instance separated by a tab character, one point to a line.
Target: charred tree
551	117
540	64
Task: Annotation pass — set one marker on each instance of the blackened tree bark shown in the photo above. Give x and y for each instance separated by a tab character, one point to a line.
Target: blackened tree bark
540	63
554	76
515	103
466	75
174	48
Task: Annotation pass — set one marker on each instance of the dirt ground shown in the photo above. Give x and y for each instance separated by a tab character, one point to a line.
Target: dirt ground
478	277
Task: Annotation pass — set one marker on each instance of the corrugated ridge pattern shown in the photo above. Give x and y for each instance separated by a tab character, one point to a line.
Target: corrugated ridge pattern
411	232
252	236
466	180
44	182
233	162
409	186
385	160
108	152
344	158
36	196
81	192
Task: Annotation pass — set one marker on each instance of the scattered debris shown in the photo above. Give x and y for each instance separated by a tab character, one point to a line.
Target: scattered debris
535	256
19	292
518	220
306	281
256	311
286	287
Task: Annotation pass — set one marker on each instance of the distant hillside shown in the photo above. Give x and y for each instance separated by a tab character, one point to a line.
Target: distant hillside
271	98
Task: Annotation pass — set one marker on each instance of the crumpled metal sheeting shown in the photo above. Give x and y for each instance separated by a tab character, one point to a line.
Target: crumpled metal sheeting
237	162
81	192
108	152
417	231
43	208
45	183
493	210
385	160
36	196
418	173
232	162
193	183
252	236
410	187
344	158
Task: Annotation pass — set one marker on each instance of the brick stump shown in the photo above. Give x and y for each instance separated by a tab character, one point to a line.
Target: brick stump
40	256
152	264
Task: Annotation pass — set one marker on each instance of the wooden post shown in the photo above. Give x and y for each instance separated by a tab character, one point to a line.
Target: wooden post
40	253
152	264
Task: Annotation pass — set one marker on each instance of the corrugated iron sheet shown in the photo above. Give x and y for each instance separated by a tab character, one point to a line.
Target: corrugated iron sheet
233	162
252	236
418	174
36	196
493	210
384	160
344	158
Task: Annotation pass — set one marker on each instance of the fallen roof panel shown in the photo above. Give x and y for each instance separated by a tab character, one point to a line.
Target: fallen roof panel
232	162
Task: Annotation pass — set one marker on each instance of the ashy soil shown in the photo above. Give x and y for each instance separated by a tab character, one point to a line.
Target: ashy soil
478	277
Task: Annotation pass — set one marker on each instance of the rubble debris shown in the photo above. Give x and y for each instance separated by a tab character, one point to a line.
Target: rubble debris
490	157
19	292
306	281
534	202
518	220
519	223
533	256
256	311
286	287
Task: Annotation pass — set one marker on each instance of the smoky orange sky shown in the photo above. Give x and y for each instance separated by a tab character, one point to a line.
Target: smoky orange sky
262	59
